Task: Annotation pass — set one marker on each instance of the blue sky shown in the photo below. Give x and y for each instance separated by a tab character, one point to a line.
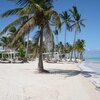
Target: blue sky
89	10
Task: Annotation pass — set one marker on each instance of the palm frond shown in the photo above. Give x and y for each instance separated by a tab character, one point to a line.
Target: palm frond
24	29
82	24
36	37
38	7
56	32
12	29
14	23
10	12
57	21
22	2
26	10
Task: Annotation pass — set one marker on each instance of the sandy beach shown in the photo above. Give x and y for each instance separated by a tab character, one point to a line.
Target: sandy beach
65	82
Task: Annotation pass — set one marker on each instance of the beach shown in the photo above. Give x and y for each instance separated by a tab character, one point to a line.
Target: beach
93	67
65	82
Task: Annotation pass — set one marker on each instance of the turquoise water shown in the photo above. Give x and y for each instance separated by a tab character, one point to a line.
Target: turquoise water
92	64
92	55
92	60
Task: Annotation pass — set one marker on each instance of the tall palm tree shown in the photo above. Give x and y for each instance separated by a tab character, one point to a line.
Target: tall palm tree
66	20
33	13
77	23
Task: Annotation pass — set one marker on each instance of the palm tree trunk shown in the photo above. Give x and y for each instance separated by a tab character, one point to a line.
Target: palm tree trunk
57	43
74	51
26	54
57	39
65	38
71	55
81	56
40	63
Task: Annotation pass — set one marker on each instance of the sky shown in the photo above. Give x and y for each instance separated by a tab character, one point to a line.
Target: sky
89	10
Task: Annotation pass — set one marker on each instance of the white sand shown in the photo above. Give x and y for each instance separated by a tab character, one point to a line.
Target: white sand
20	82
93	75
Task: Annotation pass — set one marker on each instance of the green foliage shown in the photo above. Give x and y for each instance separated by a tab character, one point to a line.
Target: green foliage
76	19
32	13
66	19
80	44
21	53
69	48
61	48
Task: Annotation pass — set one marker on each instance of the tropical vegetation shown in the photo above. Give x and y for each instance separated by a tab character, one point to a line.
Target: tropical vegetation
39	14
31	14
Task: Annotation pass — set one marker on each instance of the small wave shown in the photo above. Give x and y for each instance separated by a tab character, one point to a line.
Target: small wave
84	66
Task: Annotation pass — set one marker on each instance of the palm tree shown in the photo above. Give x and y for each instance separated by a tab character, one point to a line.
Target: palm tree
33	13
80	44
69	49
19	43
77	23
12	34
4	42
30	47
26	48
66	20
35	47
61	48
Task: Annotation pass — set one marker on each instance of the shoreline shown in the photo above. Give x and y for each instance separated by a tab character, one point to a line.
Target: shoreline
65	82
93	76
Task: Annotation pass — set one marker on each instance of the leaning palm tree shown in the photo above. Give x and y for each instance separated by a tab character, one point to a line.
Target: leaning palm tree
77	23
66	19
31	14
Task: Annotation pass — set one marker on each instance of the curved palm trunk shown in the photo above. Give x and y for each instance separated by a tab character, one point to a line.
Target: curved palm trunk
74	51
40	63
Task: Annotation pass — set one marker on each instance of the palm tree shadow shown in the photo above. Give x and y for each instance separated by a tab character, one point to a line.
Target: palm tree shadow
70	73
87	74
67	73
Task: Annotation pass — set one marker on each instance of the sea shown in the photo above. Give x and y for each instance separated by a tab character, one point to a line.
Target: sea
91	65
92	60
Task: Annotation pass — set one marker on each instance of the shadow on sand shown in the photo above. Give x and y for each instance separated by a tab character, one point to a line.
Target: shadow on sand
70	73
